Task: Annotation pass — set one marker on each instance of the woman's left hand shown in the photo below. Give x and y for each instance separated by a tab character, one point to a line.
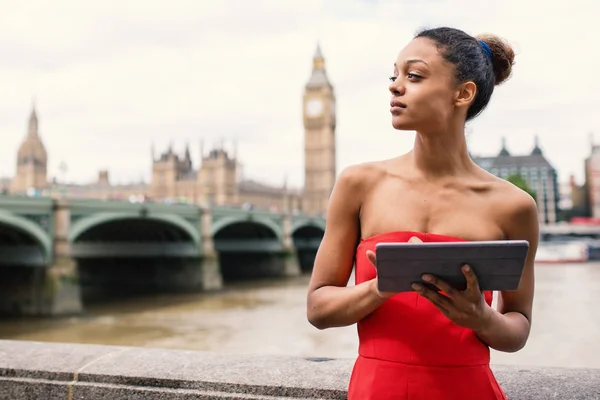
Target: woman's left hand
465	308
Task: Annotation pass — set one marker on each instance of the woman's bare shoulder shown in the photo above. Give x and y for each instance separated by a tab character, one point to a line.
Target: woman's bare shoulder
517	208
362	177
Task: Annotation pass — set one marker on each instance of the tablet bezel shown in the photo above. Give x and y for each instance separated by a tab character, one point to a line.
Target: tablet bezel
497	264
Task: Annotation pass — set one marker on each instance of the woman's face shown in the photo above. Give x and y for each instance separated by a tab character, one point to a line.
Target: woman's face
423	88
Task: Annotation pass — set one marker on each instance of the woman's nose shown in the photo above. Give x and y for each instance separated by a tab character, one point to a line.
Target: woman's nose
396	88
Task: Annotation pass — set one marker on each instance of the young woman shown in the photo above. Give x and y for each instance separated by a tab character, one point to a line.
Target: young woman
425	345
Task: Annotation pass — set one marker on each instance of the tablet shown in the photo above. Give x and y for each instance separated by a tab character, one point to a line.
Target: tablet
498	264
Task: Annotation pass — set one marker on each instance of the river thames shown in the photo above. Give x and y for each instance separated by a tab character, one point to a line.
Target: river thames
268	317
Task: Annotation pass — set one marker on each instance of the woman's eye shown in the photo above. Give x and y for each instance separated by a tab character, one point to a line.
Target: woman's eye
393	78
413	76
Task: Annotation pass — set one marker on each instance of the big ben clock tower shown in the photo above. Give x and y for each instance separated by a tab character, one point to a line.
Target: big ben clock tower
319	138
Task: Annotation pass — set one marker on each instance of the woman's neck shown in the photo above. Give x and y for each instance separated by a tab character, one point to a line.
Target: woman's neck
442	153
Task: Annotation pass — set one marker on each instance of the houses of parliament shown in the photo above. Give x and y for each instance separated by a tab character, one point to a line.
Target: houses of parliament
217	179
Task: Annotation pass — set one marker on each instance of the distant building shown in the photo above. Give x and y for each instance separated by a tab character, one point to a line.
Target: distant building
579	200
319	117
32	160
217	181
535	169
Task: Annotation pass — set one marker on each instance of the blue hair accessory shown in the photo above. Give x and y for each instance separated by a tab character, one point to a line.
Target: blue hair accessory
486	49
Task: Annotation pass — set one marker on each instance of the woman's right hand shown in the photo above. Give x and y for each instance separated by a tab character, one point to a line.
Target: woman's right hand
374	282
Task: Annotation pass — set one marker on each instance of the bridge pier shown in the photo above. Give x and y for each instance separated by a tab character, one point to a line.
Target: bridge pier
40	291
59	292
51	289
291	264
212	278
47	289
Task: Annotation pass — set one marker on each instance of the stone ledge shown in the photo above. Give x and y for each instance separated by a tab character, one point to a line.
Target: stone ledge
74	371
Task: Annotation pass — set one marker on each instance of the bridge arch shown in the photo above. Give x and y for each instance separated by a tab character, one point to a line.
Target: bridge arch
261	221
85	224
307	236
128	254
249	246
318	223
29	229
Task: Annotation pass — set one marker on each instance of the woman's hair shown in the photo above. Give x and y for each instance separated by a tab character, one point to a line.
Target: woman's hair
486	60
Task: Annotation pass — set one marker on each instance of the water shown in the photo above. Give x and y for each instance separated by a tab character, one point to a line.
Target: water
268	317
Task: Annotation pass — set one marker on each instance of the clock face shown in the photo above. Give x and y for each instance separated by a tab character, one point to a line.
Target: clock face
314	107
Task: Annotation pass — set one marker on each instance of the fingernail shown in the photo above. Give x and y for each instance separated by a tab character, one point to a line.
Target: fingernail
427	278
467	268
416	286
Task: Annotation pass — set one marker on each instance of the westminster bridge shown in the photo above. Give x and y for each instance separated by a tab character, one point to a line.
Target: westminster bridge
57	254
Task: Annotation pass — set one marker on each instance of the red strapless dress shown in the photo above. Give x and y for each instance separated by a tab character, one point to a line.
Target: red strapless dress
410	350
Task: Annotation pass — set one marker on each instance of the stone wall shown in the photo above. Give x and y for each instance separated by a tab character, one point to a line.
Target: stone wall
33	370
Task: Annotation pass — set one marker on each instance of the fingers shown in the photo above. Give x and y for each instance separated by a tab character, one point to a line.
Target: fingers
472	282
443	286
472	291
443	303
414	239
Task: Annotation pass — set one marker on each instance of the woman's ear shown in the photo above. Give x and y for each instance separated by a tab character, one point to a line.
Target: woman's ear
465	94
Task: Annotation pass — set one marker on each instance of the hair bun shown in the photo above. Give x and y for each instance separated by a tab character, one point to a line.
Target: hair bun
503	57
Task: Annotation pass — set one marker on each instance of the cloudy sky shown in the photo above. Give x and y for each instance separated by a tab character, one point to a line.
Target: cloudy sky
110	78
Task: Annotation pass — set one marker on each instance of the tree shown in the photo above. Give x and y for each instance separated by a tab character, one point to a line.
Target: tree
518	181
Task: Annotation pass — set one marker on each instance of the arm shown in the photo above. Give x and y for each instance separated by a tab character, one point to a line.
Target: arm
508	327
330	303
